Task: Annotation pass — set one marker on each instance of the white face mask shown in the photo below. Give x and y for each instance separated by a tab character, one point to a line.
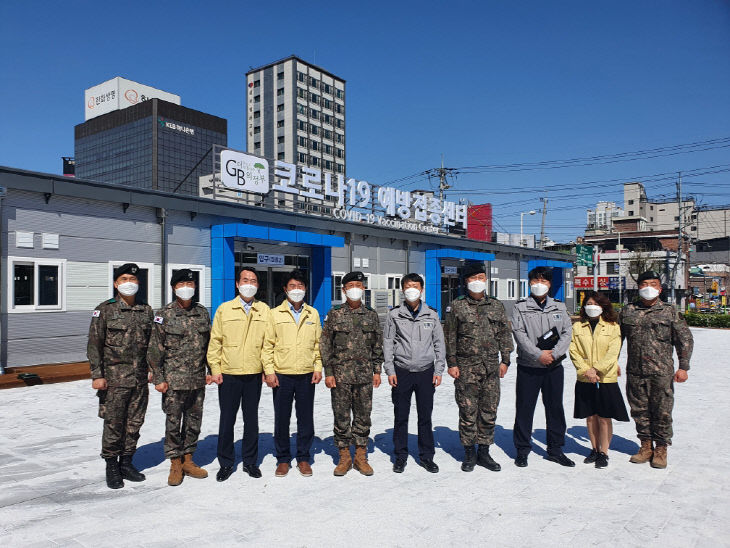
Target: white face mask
412	294
128	288
247	290
185	293
539	289
593	310
477	286
354	293
296	295
648	293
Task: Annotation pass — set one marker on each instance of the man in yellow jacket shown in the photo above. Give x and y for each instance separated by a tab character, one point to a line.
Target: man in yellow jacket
293	367
234	357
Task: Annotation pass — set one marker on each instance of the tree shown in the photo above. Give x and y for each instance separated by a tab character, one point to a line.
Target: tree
643	261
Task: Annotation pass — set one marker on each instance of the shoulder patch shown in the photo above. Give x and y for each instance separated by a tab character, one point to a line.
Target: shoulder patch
111	301
336	307
96	313
460	298
159	319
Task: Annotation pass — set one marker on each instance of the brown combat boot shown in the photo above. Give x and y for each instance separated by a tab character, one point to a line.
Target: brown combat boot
191	469
660	457
343	467
645	453
176	472
361	461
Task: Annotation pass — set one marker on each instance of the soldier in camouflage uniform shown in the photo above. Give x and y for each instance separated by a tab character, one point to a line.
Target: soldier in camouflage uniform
652	328
477	333
177	357
351	347
118	335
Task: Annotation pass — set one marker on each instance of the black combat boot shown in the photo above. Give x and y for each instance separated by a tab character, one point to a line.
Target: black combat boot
485	459
470	459
127	469
113	475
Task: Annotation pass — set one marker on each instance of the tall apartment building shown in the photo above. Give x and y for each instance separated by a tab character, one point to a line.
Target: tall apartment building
600	220
295	112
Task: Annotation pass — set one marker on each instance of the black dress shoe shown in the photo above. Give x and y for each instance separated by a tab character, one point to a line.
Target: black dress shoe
252	470
602	460
590	459
224	473
561	459
521	461
429	465
399	466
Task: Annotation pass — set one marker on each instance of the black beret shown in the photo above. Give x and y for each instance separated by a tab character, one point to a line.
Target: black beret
356	276
649	275
129	268
472	268
184	275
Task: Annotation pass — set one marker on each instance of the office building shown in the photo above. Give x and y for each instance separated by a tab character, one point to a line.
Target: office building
153	144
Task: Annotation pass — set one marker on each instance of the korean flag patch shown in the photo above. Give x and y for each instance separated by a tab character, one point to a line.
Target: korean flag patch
96	313
159	319
448	309
557	316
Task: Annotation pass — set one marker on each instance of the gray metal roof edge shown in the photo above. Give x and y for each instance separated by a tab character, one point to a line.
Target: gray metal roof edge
297	58
67	186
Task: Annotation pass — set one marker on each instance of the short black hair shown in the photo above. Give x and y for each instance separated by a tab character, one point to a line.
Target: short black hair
412	277
244	269
296	275
538	272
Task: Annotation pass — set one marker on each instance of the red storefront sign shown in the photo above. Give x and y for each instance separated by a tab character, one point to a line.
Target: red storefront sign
586	282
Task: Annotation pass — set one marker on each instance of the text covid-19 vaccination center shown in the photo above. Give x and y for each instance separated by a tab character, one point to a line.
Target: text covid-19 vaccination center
62	238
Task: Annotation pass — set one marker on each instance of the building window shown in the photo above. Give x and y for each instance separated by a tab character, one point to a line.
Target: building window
338	108
511	289
145	277
302	125
257	83
257	145
200	295
326	103
280	156
301	77
631	202
315	161
257	98
326	88
313	81
315	130
337	286
693	228
340	153
301	109
339	123
257	115
493	288
280	123
302	158
280	76
328	149
631	213
340	138
315	145
256	130
340	93
280	139
314	98
301	93
36	284
328	165
327	133
676	218
340	168
302	141
327	118
280	108
280	92
523	289
314	114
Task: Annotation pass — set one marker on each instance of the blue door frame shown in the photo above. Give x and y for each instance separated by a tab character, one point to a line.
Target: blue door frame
433	270
223	267
557	289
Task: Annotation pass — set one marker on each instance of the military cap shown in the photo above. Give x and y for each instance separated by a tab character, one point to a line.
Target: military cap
649	275
184	275
353	277
128	268
472	268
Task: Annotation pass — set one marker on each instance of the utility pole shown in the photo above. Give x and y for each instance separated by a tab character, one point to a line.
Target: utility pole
679	238
620	272
442	181
542	225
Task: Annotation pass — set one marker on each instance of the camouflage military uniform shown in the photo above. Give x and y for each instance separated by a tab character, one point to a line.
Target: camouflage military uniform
351	346
651	332
117	348
476	333
177	356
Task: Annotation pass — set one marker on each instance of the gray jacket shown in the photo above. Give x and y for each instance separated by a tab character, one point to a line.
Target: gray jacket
413	343
529	322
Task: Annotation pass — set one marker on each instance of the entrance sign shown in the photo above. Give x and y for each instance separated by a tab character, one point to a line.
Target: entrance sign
269	259
349	199
451	270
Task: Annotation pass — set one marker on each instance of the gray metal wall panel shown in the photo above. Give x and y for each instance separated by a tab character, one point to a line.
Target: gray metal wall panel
39	325
48	350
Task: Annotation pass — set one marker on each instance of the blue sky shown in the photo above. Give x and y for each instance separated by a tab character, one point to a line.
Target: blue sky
483	83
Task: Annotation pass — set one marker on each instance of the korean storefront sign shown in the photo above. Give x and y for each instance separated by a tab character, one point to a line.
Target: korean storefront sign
353	200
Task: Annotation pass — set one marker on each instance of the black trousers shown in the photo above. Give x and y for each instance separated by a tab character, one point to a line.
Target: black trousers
296	389
244	392
530	381
420	383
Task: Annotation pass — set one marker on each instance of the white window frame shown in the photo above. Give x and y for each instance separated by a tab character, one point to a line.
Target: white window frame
524	289
494	283
36	262
569	289
199	268
337	297
511	290
150	267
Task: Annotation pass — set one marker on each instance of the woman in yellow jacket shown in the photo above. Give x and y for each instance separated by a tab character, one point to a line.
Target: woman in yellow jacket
594	350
